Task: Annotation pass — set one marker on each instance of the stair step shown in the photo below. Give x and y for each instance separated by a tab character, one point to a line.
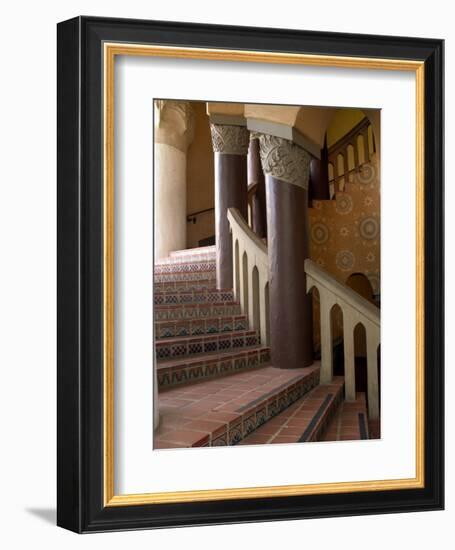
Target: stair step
168	348
194	296
211	365
184	267
185	276
224	411
200	253
350	422
198	327
196	311
167	286
306	420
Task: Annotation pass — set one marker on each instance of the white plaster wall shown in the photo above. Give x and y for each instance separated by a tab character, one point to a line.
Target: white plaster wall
170	200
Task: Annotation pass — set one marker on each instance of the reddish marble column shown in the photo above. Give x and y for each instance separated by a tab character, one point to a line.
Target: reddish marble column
286	166
256	177
230	145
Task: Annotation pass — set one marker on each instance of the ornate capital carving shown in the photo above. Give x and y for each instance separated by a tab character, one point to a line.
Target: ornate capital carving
282	159
230	140
174	123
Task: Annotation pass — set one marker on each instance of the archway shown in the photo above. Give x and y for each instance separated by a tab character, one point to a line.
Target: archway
360	354
237	270
245	282
316	322
256	302
361	284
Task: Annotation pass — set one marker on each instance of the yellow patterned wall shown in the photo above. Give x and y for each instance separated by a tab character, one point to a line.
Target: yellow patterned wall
345	232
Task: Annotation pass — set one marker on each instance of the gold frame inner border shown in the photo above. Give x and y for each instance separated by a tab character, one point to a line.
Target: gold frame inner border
110	51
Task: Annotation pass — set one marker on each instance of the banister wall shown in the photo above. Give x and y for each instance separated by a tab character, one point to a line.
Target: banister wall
251	273
251	283
355	309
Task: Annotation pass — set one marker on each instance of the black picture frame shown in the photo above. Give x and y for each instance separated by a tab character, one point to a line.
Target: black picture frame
80	474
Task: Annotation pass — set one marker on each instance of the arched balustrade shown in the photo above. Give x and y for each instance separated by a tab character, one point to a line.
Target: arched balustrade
251	272
355	310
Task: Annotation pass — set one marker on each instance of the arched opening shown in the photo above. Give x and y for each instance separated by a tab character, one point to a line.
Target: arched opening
361	284
256	304
267	313
245	282
360	354
316	322
237	269
361	149
331	180
336	321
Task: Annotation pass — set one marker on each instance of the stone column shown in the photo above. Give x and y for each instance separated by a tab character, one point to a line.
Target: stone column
230	145
256	177
174	130
286	167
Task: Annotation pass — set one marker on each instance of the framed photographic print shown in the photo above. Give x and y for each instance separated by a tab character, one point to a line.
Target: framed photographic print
250	274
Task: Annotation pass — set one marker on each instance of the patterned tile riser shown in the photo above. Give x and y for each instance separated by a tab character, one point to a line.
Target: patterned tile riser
179	267
170	277
251	420
176	286
196	311
207	344
169	378
198	327
170	298
187	259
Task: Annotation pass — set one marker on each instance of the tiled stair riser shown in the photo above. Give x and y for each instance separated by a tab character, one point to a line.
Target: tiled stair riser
194	254
205	344
176	286
193	296
196	311
179	267
176	277
212	368
233	432
198	327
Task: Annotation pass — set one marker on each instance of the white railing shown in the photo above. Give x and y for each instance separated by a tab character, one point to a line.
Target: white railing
251	274
355	309
251	288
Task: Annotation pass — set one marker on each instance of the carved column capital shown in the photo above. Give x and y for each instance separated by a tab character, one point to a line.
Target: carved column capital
284	160
174	123
229	139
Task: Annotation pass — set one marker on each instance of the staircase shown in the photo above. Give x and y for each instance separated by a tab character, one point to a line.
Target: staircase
215	381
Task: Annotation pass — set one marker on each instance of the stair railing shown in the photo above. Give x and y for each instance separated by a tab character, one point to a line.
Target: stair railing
251	274
356	309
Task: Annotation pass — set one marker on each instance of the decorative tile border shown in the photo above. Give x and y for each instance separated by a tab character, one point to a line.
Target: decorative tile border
184	276
177	312
203	284
181	347
194	370
200	326
192	296
187	267
263	410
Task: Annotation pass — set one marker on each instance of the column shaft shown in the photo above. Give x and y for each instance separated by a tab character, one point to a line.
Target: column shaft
230	191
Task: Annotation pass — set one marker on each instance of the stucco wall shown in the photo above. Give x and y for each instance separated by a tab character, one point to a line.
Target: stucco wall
200	179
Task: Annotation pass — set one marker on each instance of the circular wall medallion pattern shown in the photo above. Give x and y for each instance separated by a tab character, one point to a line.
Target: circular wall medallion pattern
345	260
369	228
366	174
319	233
344	204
